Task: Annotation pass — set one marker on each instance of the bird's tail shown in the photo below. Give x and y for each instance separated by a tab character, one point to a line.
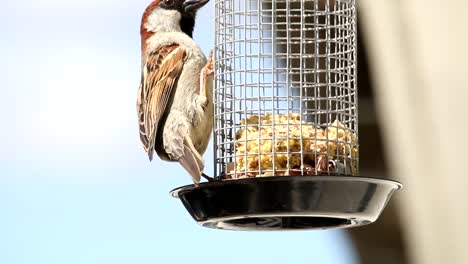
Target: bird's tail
192	161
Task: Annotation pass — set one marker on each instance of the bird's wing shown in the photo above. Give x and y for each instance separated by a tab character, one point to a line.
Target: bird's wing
160	72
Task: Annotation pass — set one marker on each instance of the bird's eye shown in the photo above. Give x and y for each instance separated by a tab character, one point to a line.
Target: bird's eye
167	2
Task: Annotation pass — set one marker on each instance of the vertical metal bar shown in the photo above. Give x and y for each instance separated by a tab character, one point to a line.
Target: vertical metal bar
355	85
336	54
260	62
301	83
243	72
288	80
232	87
273	72
328	93
216	85
316	77
344	89
348	112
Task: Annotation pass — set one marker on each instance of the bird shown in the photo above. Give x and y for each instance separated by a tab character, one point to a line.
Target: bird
175	104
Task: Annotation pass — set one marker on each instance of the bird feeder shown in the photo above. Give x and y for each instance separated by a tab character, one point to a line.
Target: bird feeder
286	124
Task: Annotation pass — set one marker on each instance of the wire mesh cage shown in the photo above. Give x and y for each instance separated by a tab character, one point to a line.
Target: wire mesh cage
285	90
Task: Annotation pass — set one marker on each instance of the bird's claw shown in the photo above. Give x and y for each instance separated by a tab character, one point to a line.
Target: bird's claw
207	71
208	178
209	67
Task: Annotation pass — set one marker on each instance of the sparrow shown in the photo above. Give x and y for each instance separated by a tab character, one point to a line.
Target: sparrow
175	108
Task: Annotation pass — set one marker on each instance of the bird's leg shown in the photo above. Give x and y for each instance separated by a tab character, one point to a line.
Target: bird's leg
207	71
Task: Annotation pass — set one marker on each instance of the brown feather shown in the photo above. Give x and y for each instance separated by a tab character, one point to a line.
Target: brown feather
161	70
145	34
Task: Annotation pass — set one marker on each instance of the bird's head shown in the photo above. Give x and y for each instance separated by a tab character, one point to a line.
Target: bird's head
170	16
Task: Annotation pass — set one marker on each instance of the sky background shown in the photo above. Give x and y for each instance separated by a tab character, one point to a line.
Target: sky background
75	183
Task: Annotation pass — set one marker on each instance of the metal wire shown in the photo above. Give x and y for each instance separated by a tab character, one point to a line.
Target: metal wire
285	88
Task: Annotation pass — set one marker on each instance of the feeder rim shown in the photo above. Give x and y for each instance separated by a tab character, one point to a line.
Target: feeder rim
182	189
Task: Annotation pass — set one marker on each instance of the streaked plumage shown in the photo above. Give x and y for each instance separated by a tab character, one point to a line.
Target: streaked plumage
174	104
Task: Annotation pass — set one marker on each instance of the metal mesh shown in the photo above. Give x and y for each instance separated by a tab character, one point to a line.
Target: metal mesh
285	88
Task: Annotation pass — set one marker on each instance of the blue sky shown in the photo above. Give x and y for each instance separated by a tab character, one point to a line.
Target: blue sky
75	185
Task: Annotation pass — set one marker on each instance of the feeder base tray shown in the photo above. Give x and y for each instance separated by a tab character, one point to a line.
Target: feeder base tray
287	202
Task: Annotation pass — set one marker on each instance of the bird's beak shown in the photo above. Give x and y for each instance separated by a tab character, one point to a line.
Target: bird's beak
191	6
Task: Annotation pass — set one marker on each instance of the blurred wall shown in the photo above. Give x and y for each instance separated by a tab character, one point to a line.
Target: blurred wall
381	242
417	52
